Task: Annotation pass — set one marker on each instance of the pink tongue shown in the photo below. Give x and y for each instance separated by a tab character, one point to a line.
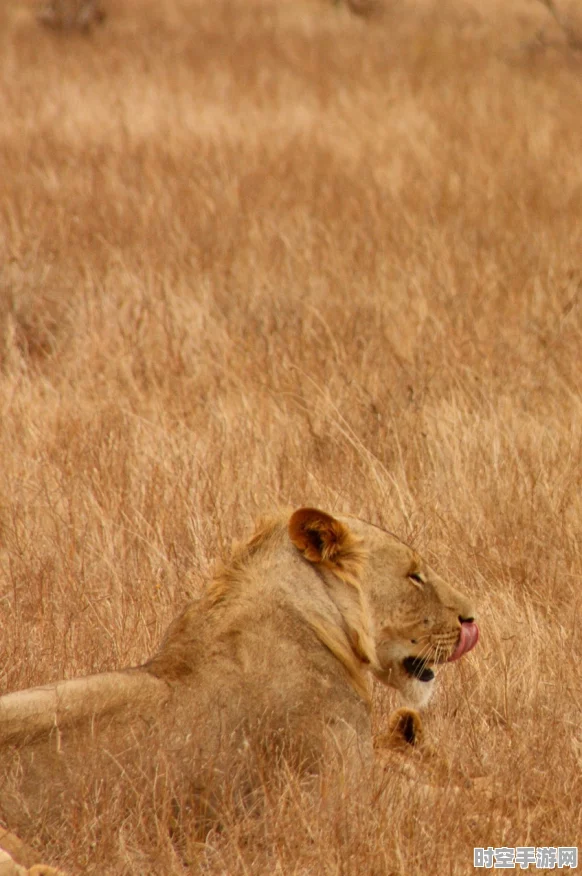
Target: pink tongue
468	638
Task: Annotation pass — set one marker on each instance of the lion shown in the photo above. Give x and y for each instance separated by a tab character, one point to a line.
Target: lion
275	660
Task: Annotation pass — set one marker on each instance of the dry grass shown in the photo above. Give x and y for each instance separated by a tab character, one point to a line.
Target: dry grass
256	253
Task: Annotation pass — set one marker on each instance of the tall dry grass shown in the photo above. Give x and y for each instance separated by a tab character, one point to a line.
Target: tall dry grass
256	253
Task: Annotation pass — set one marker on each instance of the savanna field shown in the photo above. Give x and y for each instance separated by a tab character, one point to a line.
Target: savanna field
259	253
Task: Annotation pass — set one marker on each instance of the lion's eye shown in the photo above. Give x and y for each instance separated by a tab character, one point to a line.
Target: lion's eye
416	577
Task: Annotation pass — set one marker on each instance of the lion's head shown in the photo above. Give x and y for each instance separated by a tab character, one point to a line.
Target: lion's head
405	619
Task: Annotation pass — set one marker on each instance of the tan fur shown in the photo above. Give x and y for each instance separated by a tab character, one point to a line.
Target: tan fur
276	657
71	15
13	850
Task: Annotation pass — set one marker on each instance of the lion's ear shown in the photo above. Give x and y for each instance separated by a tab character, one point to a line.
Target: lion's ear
404	730
319	536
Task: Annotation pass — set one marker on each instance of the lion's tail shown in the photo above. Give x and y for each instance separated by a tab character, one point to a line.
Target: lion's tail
29	714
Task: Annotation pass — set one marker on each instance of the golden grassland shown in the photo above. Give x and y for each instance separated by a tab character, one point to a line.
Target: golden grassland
263	253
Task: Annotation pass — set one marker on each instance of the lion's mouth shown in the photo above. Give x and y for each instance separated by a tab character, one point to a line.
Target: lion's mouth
468	638
417	668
